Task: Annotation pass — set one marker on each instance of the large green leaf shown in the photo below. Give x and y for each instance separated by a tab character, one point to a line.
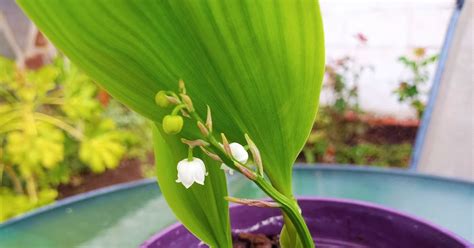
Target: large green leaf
257	64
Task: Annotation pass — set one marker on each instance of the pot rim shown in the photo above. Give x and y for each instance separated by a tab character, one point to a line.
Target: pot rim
359	203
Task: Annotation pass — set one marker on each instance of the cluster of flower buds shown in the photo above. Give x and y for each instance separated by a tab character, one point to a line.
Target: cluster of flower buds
193	170
173	123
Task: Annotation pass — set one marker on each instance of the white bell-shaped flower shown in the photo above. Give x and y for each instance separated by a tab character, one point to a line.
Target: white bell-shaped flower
190	171
239	153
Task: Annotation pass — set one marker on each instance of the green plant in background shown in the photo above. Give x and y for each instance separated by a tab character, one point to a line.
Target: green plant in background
409	89
48	117
343	140
139	134
317	148
332	130
396	155
257	64
340	130
343	79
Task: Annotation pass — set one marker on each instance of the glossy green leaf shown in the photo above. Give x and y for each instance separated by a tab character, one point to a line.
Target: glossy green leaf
257	64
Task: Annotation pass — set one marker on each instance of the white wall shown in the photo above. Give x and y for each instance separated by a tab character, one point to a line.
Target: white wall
448	147
393	28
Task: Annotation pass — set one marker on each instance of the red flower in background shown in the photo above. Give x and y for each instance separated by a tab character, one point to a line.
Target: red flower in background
104	97
361	38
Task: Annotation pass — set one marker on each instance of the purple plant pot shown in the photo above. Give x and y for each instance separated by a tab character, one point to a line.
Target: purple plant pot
333	223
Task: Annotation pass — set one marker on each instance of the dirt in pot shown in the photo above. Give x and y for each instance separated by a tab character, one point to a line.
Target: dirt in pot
252	240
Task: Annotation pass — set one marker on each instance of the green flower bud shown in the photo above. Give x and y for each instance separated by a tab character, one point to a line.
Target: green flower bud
172	124
161	99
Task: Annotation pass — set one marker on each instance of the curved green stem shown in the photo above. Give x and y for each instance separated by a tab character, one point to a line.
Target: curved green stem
288	205
177	109
60	124
290	208
190	154
15	179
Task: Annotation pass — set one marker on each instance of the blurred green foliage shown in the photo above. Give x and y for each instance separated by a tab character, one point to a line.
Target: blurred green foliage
418	74
342	79
394	155
56	123
339	134
335	139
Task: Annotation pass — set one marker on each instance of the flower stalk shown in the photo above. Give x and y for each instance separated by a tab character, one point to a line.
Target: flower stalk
222	152
194	143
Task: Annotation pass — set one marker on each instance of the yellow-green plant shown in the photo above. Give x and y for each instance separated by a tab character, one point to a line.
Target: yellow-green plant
41	111
258	65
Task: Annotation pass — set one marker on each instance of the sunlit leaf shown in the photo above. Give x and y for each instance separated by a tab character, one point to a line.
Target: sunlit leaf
103	148
79	96
7	71
18	204
41	146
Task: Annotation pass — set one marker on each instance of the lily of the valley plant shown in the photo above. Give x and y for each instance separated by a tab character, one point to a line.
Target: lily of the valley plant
253	72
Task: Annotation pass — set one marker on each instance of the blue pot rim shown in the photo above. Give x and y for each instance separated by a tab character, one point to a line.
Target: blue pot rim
298	166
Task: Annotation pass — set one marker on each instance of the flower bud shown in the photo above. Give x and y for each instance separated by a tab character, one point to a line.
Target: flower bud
161	99
203	129
211	155
246	171
182	87
191	171
255	153
172	124
225	145
188	102
238	153
209	119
